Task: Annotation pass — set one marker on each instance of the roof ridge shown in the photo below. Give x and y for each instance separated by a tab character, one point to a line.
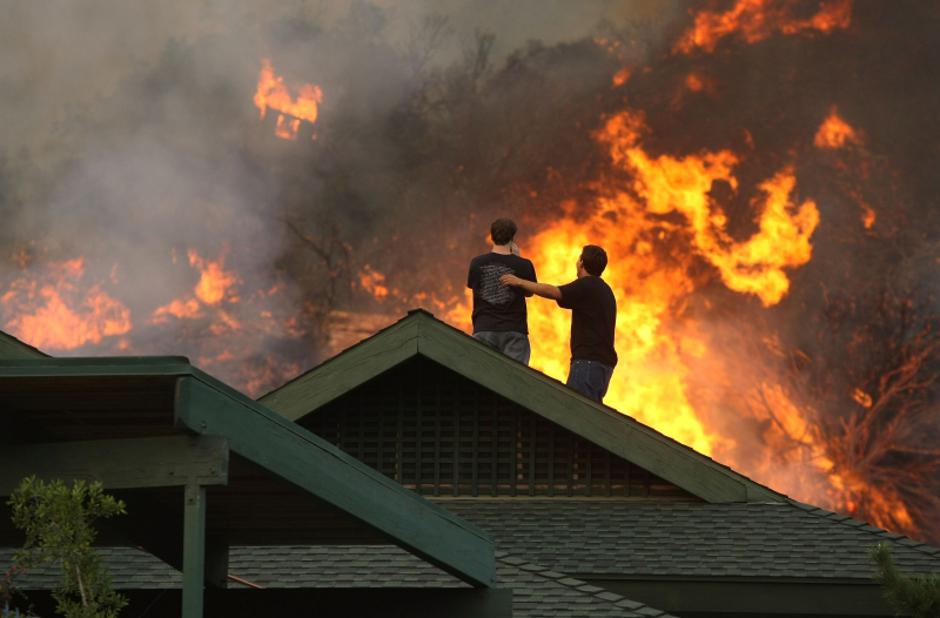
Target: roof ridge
359	343
10	340
602	594
449	346
599	406
858	524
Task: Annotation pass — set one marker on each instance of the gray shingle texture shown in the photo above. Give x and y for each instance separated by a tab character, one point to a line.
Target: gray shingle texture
538	592
597	537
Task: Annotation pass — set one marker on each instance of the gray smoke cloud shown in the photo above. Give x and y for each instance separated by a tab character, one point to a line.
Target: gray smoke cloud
132	138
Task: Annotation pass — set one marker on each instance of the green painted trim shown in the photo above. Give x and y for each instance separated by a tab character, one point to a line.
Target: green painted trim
340	374
609	429
194	550
298	456
11	347
119	464
208	406
616	432
104	366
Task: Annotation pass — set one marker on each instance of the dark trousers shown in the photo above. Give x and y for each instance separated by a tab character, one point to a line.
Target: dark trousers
512	344
590	378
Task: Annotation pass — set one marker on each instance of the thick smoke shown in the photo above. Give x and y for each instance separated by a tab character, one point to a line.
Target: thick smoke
132	138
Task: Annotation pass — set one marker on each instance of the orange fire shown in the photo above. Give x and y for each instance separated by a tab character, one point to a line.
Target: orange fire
373	282
657	342
620	77
59	310
681	185
705	384
653	340
272	93
756	20
694	82
836	133
215	285
178	308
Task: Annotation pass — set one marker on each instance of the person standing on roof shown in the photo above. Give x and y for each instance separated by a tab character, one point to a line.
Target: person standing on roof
499	311
593	321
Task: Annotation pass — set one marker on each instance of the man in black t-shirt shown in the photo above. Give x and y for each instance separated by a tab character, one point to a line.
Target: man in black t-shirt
593	321
499	312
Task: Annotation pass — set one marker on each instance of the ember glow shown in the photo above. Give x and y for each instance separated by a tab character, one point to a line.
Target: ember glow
215	285
293	110
835	133
373	282
755	20
620	77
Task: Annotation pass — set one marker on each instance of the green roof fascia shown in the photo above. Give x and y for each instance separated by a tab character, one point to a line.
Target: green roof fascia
11	347
100	366
344	372
208	406
421	333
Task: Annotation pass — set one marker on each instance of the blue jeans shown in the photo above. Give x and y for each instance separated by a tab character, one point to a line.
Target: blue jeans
512	344
590	378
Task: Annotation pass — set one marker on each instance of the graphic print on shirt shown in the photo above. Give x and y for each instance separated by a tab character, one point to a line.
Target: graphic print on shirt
491	290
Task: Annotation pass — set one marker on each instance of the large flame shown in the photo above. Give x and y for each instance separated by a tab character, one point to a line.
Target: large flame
659	221
669	184
59	310
651	288
272	93
755	20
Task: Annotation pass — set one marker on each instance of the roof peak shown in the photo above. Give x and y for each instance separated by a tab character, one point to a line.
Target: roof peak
419	333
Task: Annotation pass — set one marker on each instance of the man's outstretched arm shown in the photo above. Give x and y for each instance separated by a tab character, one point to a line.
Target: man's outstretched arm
539	289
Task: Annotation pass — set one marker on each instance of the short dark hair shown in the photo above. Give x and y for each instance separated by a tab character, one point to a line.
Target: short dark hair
594	259
502	231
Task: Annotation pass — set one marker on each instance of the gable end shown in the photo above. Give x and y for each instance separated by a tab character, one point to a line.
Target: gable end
440	434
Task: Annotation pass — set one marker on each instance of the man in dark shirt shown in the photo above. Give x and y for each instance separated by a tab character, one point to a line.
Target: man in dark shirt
499	312
593	321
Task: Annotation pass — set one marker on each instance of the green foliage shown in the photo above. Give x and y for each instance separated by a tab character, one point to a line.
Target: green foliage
910	595
58	523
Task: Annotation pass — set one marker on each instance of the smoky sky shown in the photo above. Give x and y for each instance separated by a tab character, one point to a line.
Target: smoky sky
130	134
59	56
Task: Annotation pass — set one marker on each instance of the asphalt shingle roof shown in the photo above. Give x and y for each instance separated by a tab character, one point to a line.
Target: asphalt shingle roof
598	537
538	592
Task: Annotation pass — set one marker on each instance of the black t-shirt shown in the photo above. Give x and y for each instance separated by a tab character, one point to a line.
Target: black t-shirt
498	307
593	319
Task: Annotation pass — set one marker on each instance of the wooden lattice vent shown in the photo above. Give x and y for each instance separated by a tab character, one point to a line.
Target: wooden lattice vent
440	434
